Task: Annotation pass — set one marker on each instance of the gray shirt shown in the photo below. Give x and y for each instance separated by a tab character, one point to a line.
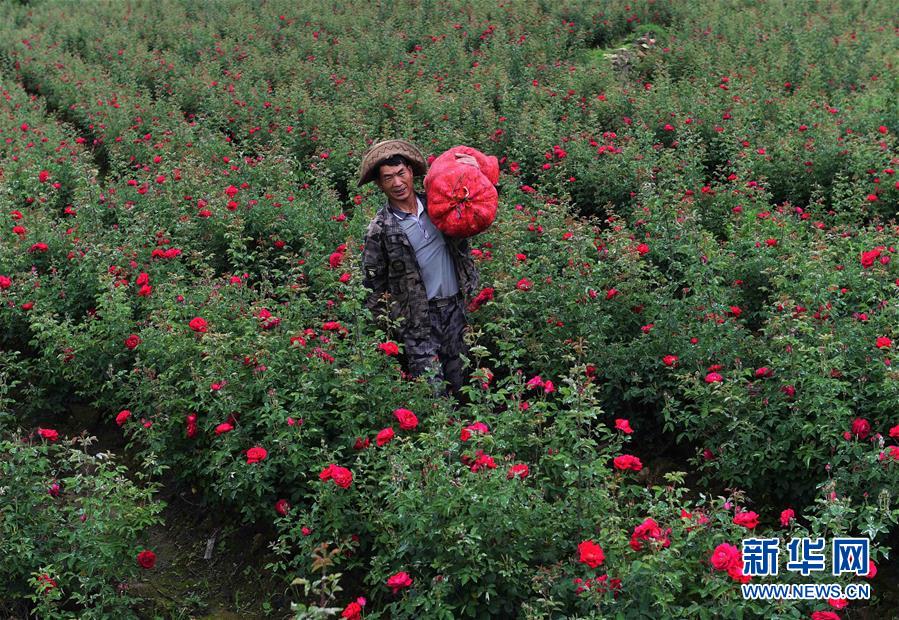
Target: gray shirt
433	257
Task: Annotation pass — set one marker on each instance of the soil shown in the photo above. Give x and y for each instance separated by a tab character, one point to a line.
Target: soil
232	583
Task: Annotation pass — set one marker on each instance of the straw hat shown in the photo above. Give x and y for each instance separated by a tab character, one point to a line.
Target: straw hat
368	169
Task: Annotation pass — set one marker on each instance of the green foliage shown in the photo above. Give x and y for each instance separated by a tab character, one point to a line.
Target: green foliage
71	525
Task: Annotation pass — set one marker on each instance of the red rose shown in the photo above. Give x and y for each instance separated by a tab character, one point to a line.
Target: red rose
735	572
477	427
838	603
146	559
520	470
624	426
353	611
222	428
747	519
647	531
5	282
870	256
47	583
884	343
872	570
408	420
48	433
627	461
590	554
524	285
535	383
786	516
341	476
861	428
824	615
669	360
384	436
191	420
132	341
389	348
713	377
198	324
724	556
256	454
282	507
482	461
122	417
399	581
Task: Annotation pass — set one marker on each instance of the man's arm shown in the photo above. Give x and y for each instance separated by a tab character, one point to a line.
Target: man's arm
374	273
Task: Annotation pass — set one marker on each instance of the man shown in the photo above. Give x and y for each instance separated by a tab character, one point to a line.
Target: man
416	274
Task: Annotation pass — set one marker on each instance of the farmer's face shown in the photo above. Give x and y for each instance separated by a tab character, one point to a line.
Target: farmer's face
395	181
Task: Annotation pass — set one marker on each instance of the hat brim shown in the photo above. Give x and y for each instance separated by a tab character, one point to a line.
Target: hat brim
375	154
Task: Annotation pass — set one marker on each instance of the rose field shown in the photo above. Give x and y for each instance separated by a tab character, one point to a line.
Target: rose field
686	333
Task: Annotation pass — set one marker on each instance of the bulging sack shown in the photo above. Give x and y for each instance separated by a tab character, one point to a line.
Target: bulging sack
462	199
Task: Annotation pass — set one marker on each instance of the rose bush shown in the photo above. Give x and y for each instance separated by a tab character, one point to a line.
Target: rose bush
75	522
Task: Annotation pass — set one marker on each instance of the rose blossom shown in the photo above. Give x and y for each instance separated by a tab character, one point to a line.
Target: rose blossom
398	581
627	461
408	420
861	428
48	433
520	470
786	516
624	426
282	507
341	476
747	519
384	436
724	556
389	348
256	454
146	559
590	554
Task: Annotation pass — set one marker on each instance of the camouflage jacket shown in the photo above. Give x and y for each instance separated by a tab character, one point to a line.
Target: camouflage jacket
391	272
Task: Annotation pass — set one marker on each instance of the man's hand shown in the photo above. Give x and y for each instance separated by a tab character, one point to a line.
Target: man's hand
462	158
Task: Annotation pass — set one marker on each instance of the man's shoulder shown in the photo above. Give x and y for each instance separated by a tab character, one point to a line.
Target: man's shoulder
377	223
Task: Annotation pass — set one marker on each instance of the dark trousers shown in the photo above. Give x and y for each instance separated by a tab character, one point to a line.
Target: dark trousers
441	351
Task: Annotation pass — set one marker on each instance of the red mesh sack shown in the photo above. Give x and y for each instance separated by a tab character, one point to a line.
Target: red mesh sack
462	199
